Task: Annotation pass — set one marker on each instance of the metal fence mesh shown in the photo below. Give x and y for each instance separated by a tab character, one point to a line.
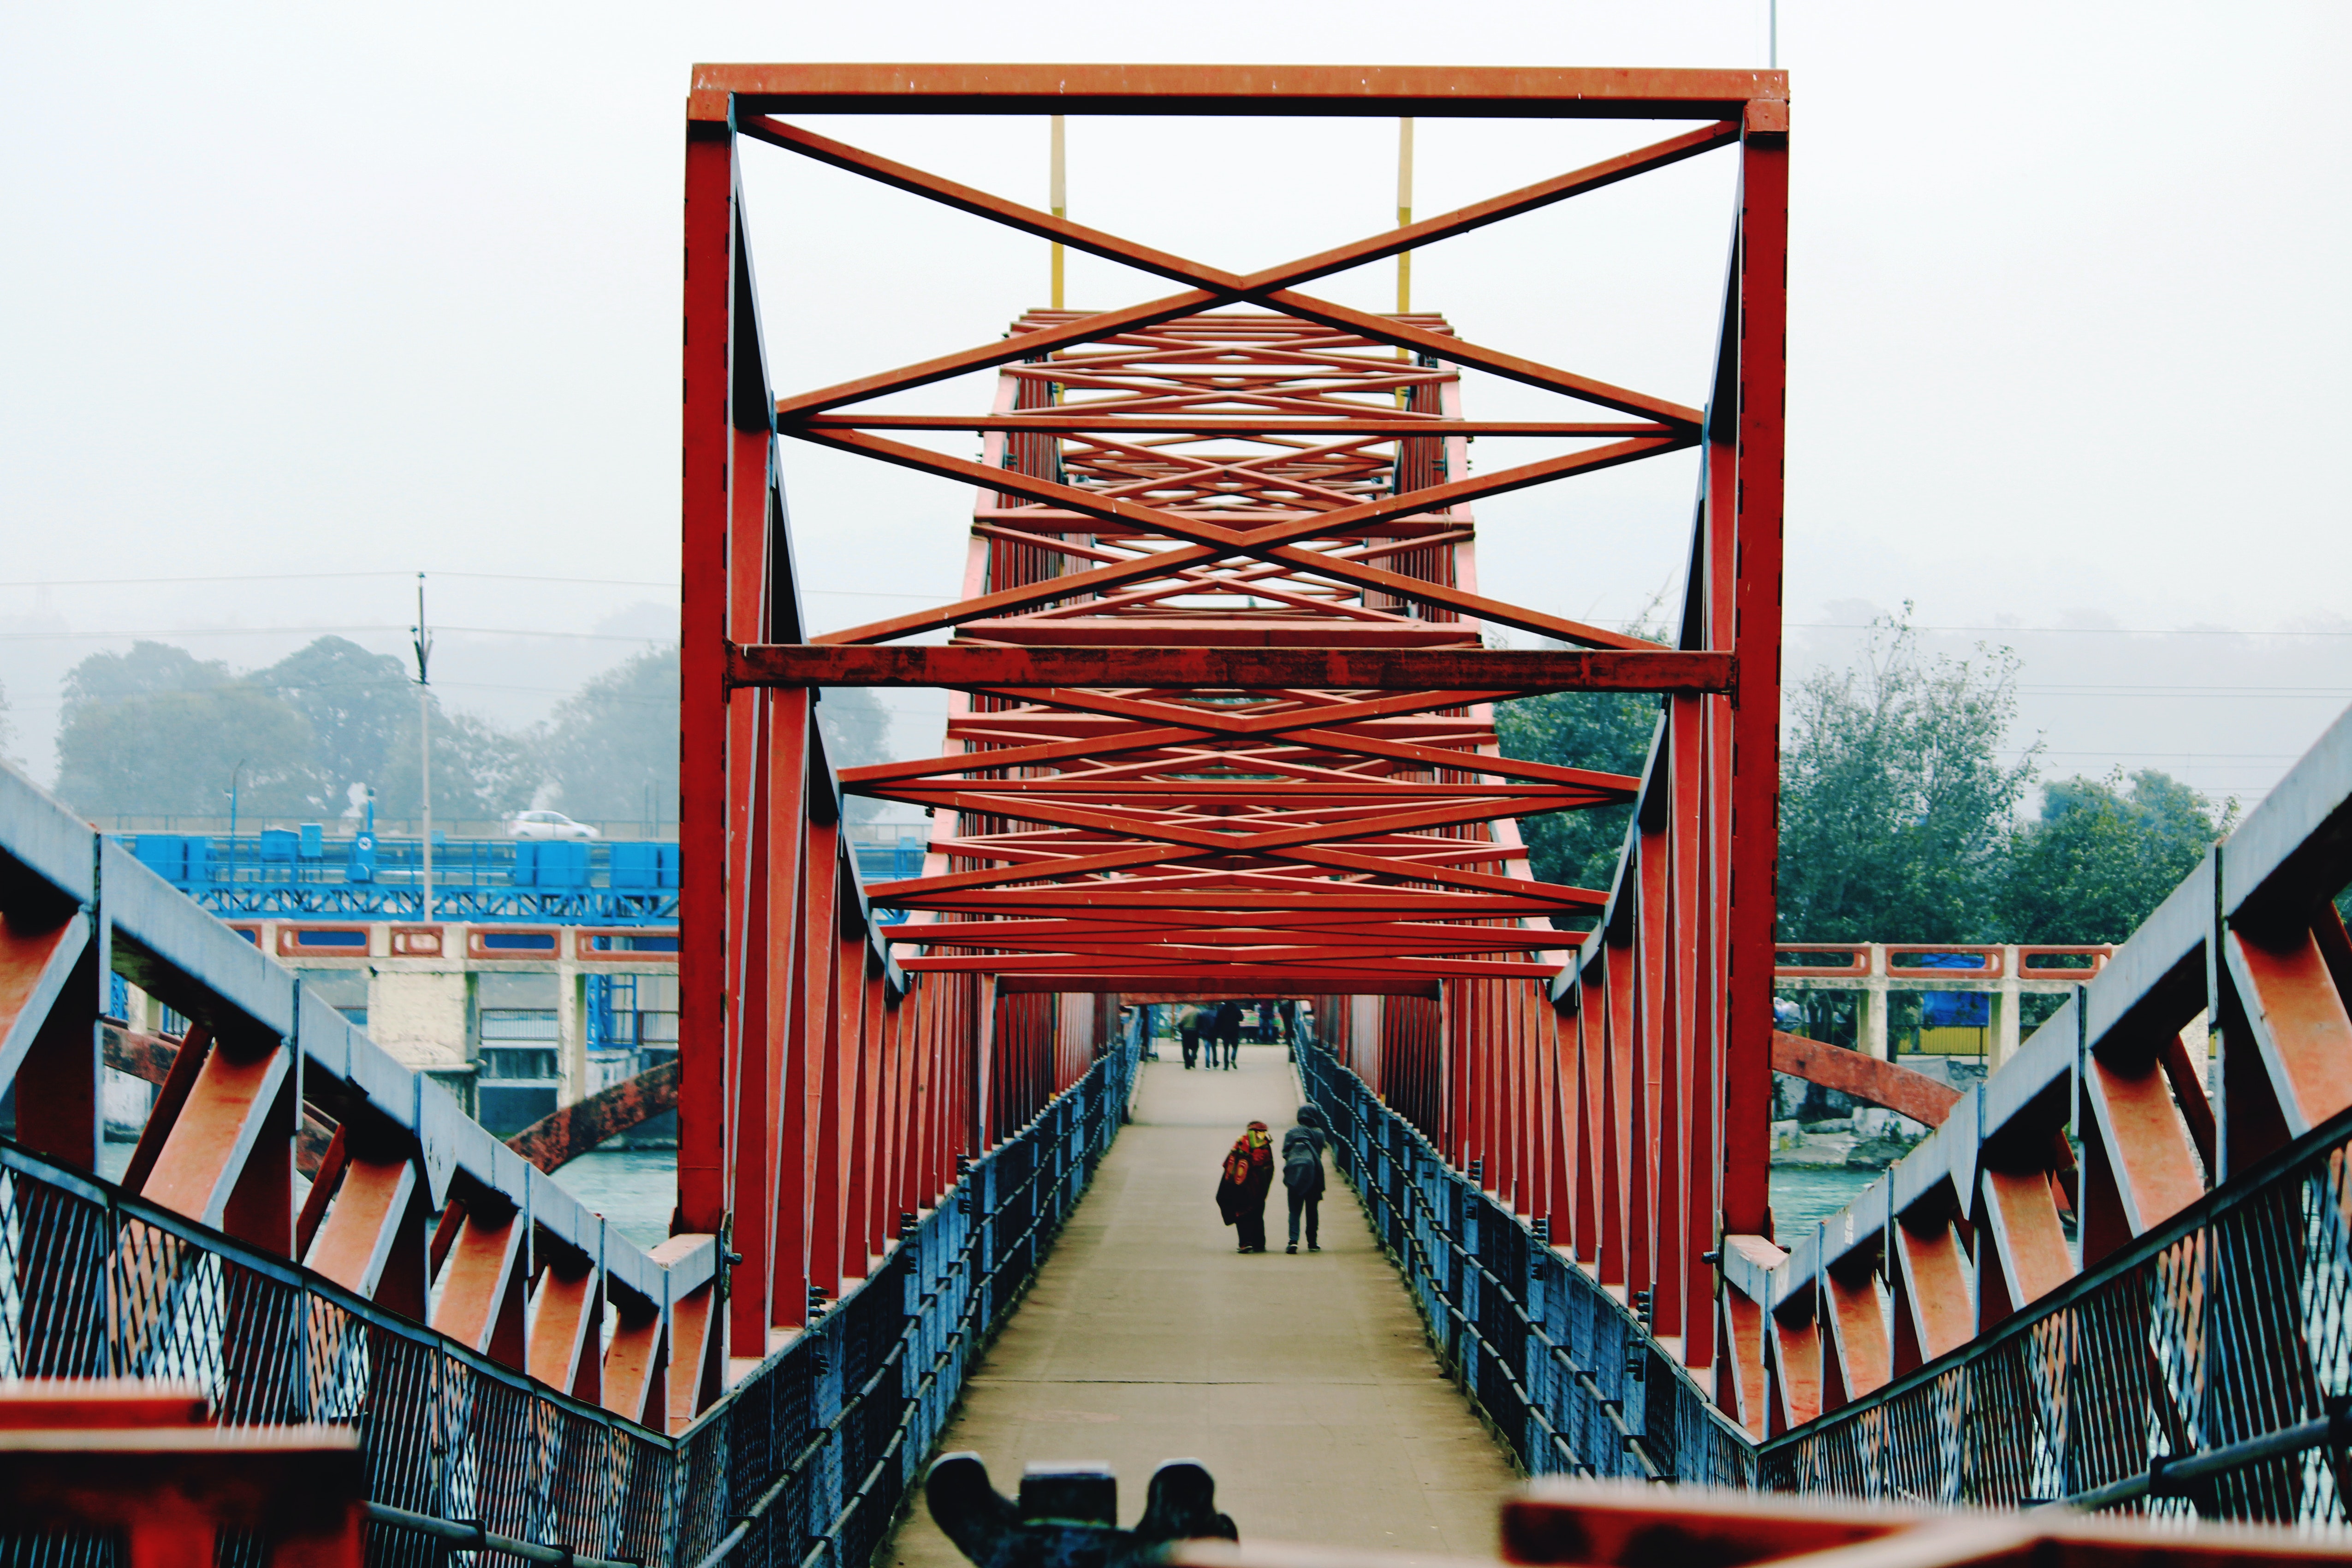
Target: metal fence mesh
1569	1377
816	1446
2230	1325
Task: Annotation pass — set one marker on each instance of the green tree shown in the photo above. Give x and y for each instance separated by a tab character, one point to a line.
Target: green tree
1607	730
857	727
856	730
156	732
2103	854
1896	808
480	772
148	669
611	747
357	704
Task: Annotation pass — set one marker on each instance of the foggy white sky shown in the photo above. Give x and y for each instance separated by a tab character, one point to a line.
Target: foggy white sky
311	290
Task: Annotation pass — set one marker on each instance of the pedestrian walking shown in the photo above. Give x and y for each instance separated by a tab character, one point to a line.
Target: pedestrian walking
1302	1173
1242	1188
1228	1035
1188	1033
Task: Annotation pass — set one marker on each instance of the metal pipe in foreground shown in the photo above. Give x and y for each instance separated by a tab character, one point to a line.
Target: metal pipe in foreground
481	1539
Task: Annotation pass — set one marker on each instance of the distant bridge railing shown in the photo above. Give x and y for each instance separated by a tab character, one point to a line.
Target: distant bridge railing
1569	1376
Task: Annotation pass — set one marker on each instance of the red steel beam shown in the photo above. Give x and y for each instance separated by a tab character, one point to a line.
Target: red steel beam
1209	668
1435	91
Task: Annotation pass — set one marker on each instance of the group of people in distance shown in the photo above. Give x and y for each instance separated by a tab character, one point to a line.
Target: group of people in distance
1248	1176
1219	1027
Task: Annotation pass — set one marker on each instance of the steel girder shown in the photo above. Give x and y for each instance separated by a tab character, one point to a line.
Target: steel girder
2116	1274
409	1198
1223	710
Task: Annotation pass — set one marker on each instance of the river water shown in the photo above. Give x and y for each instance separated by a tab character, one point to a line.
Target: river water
635	1189
1804	1194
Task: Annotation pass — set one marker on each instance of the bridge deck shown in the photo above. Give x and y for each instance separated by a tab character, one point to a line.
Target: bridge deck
1304	1384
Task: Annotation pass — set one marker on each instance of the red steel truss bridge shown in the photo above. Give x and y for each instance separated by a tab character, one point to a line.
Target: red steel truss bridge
1223	725
1225	677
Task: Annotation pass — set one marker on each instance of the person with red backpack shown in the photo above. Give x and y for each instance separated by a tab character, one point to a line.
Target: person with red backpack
1241	1187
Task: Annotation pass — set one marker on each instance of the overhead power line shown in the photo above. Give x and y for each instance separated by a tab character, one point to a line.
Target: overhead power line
2065	631
329	576
472	577
321	631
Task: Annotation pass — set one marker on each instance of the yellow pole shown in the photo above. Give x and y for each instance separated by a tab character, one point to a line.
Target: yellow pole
1059	201
1405	212
1404	219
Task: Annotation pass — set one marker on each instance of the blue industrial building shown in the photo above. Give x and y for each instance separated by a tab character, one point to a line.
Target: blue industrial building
287	873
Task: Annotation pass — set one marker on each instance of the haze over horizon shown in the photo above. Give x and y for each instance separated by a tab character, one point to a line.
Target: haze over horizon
377	292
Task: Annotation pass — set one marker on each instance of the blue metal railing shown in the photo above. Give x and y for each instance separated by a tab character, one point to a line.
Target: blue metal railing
804	1462
1568	1376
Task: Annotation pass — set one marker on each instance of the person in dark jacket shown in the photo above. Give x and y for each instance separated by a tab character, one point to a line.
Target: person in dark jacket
1302	1173
1241	1187
1228	1038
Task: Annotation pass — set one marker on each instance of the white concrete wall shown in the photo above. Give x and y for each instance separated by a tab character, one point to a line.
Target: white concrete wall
419	1014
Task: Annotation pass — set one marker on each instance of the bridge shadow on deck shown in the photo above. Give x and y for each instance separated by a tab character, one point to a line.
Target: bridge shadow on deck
1305	1382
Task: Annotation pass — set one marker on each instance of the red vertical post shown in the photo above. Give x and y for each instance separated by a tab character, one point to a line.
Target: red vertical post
1651	935
881	1106
710	285
913	1130
785	1066
751	1141
1510	1094
1592	1066
1617	1073
1756	743
1452	1060
1520	1091
1565	1115
981	1113
750	820
1715	848
1685	1288
846	1072
821	878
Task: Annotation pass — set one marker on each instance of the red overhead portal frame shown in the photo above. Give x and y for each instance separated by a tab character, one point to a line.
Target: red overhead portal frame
1224	710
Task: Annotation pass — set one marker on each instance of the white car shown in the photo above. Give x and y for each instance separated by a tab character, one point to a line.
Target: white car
547	825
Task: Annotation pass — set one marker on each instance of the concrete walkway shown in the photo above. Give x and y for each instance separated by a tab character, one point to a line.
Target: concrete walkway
1303	1383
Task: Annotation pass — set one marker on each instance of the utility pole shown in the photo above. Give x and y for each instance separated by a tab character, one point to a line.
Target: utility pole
233	773
422	640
